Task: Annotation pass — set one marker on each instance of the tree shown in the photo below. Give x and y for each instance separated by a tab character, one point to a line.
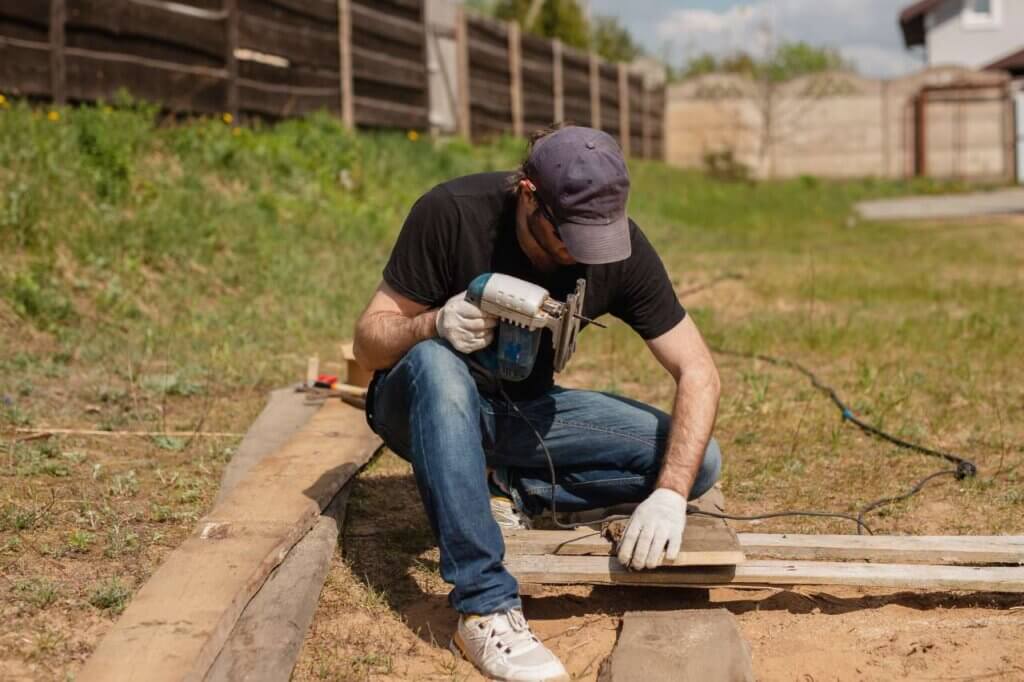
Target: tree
779	109
562	19
613	41
787	61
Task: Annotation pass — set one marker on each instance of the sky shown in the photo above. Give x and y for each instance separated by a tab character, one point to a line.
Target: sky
866	32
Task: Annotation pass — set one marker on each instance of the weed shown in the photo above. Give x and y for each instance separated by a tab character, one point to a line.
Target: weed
171	443
120	541
124	485
111	595
39	592
79	541
15	518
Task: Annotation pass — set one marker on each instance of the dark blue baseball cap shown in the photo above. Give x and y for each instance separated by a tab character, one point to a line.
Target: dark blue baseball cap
581	177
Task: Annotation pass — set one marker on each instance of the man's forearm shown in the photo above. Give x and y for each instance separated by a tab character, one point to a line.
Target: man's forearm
383	338
693	418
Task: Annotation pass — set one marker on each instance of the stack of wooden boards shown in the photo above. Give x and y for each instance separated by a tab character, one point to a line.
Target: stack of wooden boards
712	555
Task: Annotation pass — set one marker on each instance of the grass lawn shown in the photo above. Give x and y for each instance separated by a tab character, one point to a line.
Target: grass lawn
166	277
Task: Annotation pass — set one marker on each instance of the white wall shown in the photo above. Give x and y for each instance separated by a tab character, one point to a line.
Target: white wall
951	41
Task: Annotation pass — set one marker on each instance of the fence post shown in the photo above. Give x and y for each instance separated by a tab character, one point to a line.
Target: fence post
230	61
462	114
624	112
58	67
515	70
348	110
558	85
595	92
921	135
645	119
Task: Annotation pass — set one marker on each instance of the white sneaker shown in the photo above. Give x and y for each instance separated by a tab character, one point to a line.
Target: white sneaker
507	515
502	646
503	509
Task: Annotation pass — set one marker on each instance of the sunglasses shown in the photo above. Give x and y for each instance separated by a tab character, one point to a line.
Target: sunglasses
548	214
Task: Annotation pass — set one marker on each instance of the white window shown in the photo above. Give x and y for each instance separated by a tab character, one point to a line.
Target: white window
982	13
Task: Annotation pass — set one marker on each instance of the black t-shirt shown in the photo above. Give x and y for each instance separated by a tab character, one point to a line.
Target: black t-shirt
466	227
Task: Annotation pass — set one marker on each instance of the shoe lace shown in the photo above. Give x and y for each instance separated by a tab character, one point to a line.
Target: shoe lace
517	637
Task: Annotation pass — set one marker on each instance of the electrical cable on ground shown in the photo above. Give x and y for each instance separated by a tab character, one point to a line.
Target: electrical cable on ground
964	467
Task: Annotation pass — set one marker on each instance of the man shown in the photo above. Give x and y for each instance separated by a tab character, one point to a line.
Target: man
562	216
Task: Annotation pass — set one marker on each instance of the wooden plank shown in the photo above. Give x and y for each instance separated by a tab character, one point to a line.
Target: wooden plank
704	539
348	112
382	68
558	84
58	65
265	642
305	45
231	45
160	22
967	549
515	70
380	113
595	92
463	109
178	622
624	136
322	11
549	569
95	75
706	542
24	67
394	29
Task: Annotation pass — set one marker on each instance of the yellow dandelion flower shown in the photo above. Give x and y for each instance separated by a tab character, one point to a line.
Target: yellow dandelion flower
53	116
3	100
236	131
413	135
227	118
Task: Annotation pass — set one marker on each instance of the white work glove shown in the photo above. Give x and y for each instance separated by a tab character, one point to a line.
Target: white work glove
464	325
658	522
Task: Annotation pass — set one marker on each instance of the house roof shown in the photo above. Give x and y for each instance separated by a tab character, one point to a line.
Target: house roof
1014	63
912	21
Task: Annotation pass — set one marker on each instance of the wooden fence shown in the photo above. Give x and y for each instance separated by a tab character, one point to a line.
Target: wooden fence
510	83
364	60
274	58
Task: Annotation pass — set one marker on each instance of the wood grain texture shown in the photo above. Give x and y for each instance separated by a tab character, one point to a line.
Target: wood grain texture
178	622
267	638
706	542
936	549
607	570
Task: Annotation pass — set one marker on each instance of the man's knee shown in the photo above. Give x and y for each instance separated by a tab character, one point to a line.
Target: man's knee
710	469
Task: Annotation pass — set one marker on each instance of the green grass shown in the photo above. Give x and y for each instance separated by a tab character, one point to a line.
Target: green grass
164	277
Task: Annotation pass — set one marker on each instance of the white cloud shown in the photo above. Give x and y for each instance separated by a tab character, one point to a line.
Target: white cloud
865	31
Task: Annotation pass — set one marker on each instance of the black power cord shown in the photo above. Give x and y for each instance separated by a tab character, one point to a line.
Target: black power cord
964	467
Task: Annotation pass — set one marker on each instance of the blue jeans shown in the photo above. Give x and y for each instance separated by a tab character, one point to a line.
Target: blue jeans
606	450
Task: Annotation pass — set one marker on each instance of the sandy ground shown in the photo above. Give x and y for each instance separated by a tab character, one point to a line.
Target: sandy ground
384	615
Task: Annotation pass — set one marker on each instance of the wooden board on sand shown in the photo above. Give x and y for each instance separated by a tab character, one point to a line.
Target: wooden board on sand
177	623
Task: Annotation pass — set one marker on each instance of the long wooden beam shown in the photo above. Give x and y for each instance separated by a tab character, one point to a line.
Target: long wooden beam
705	544
607	570
178	622
933	549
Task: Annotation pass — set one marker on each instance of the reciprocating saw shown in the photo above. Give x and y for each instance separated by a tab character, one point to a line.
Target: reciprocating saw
525	310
